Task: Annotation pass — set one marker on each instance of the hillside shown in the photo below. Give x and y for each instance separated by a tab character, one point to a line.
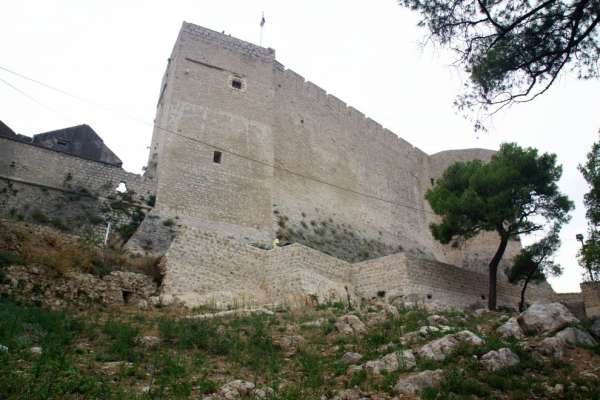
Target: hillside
102	341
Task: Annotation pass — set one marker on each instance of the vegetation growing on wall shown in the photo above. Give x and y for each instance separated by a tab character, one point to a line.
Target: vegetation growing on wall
75	211
339	240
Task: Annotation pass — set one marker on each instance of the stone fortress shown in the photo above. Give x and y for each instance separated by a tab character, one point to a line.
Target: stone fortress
245	151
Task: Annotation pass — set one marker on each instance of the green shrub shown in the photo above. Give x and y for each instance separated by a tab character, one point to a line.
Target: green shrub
121	346
40	217
169	222
8	258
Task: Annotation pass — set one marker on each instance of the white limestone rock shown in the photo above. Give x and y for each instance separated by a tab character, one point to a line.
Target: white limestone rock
502	358
348	394
391	362
439	349
36	350
552	347
291	343
546	318
240	312
511	329
314	324
236	389
437	320
350	325
351	358
576	337
414	383
148	341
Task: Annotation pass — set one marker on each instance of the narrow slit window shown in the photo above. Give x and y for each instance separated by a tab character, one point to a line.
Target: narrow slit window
217	157
236	84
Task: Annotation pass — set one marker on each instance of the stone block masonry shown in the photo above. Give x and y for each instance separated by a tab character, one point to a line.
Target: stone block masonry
590	292
242	142
206	269
71	193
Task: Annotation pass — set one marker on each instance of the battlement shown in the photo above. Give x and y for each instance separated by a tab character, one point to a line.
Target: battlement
228	42
340	109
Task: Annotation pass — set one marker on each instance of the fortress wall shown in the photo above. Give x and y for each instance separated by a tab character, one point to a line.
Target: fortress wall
203	110
443	285
202	268
347	168
590	292
574	302
28	163
205	268
387	274
71	193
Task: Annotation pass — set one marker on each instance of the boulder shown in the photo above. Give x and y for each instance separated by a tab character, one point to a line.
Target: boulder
291	343
439	349
437	320
546	318
350	358
414	383
3	349
576	337
236	389
511	329
502	358
391	362
348	394
350	325
36	350
552	347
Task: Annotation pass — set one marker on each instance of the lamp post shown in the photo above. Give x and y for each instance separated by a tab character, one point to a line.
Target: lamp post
579	237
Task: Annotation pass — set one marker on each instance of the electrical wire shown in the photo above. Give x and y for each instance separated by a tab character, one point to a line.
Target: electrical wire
227	151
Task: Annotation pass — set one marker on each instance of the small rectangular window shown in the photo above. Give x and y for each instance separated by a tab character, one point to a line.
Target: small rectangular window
217	156
62	142
236	84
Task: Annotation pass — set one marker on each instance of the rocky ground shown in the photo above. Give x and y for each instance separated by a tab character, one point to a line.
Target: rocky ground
327	352
67	334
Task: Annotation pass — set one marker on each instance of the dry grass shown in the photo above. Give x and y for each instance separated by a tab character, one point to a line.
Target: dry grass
64	253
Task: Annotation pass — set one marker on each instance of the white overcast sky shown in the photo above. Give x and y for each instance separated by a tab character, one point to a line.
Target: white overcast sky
367	53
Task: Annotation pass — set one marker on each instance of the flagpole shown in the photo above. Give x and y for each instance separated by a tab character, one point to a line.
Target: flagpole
262	25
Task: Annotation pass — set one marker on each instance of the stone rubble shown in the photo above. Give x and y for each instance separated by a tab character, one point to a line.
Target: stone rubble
391	363
414	383
40	284
350	325
148	341
552	347
511	329
437	320
291	344
502	358
576	337
240	312
439	349
546	318
350	358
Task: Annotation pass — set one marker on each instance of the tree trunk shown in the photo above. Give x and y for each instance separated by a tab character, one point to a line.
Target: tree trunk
494	271
522	303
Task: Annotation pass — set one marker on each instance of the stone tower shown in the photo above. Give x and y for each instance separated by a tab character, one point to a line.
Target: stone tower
250	150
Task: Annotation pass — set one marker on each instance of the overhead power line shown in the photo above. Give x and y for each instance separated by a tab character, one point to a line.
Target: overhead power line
196	140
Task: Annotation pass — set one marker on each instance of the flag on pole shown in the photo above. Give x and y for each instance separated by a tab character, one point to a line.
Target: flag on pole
262	21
